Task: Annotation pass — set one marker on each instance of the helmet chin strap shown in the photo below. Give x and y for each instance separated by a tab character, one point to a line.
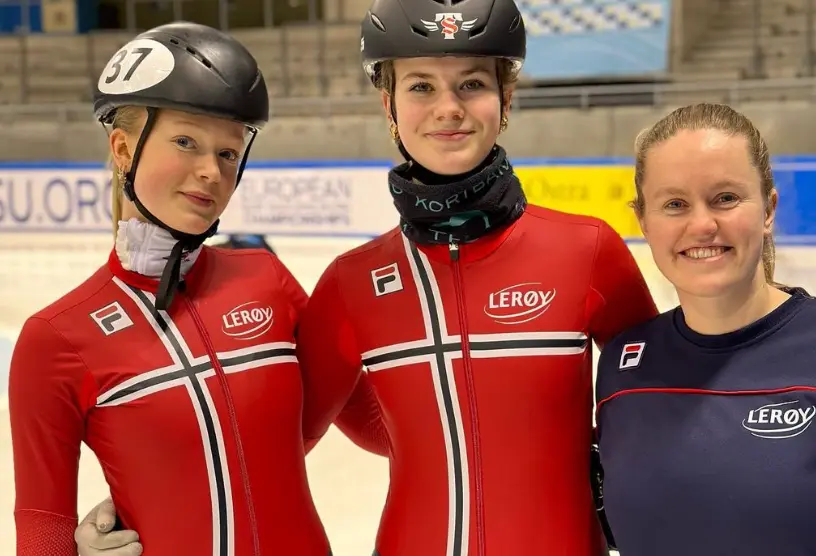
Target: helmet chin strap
170	278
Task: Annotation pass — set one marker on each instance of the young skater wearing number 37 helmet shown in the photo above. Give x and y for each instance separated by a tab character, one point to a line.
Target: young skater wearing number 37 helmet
175	362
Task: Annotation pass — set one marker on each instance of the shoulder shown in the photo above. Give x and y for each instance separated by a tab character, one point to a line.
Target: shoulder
371	246
542	216
244	260
803	320
367	255
625	353
239	257
634	340
48	347
808	304
78	297
258	272
344	275
587	235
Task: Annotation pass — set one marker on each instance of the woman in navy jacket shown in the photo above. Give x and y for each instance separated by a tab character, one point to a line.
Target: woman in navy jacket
704	413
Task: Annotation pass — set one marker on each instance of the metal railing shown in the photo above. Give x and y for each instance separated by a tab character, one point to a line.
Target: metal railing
733	92
584	97
771	34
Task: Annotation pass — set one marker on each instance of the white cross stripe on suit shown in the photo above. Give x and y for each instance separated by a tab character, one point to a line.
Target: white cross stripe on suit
191	373
233	361
439	349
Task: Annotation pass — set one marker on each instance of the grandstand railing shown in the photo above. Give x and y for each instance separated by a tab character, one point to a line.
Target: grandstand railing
663	94
583	97
317	62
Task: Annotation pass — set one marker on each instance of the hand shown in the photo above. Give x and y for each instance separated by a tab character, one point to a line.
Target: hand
94	535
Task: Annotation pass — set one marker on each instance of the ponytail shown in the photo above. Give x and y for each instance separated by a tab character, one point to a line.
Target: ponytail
127	119
116	196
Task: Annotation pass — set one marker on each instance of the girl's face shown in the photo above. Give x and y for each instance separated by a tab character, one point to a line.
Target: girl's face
448	110
187	171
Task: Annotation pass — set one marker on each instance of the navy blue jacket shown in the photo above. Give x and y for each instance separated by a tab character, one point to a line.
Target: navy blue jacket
707	442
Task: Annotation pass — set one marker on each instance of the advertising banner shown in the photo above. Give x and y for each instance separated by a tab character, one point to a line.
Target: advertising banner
603	191
302	200
351	199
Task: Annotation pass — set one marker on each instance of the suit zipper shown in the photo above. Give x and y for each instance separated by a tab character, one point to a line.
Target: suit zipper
471	392
222	378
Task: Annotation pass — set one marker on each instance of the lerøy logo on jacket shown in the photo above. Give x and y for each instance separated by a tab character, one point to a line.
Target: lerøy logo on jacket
519	303
779	420
247	321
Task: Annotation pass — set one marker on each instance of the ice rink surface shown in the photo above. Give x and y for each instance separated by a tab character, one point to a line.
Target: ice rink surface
348	484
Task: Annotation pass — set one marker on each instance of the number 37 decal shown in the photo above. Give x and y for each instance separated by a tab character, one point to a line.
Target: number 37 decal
139	65
116	63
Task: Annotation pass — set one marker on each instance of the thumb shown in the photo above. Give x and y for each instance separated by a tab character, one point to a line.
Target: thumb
106	516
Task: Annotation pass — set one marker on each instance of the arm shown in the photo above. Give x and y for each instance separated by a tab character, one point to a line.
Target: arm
361	420
294	292
298	300
49	393
619	297
329	358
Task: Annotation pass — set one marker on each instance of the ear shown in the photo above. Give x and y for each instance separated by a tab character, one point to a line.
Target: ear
386	103
507	99
770	211
120	151
640	219
643	230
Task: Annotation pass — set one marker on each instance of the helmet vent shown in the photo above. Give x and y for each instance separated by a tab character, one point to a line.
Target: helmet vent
515	25
377	22
476	32
194	53
421	32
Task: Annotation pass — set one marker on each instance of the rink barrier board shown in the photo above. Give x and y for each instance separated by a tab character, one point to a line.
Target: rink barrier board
347	198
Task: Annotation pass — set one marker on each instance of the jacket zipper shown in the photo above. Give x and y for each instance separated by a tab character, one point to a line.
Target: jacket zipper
474	417
222	378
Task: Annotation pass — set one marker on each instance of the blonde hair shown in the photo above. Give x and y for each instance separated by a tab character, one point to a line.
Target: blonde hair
721	118
127	119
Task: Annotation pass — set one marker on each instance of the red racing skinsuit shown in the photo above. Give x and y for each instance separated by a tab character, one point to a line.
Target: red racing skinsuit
478	379
194	414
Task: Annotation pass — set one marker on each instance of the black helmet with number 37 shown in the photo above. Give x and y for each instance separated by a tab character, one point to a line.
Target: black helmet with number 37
190	68
394	29
185	66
